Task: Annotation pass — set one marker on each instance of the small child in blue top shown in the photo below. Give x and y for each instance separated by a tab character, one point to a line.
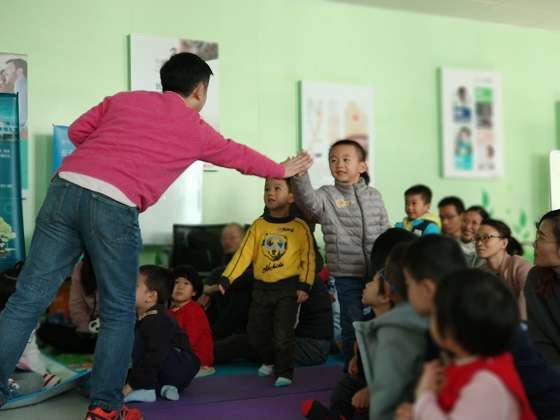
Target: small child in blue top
419	220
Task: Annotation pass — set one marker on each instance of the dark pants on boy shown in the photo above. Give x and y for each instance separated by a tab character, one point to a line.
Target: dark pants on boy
308	351
271	326
178	369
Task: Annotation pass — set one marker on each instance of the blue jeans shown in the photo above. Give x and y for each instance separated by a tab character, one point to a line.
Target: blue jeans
349	293
71	219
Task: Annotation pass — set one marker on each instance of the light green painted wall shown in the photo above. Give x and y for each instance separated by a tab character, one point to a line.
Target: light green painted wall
78	54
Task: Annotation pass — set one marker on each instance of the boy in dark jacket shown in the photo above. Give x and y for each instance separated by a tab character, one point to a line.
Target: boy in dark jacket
162	359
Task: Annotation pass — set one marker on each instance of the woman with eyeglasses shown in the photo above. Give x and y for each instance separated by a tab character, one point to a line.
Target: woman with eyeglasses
473	217
543	289
502	254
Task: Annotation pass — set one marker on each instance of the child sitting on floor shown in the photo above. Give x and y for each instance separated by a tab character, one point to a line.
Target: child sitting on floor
395	325
191	317
162	360
419	220
475	320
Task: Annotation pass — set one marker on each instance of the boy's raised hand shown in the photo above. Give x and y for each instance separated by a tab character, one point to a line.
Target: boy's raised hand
297	165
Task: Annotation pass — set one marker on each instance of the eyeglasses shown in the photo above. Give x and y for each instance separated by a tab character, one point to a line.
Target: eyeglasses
486	238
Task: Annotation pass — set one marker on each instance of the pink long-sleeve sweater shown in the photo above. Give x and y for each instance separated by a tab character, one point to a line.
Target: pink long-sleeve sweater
140	142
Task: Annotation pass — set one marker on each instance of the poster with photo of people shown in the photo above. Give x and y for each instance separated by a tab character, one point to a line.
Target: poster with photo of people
13	79
471	124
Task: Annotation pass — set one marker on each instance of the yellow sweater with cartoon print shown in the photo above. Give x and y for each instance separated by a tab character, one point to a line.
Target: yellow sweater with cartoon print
279	249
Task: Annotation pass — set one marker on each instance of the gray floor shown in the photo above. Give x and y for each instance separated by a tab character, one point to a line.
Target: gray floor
69	406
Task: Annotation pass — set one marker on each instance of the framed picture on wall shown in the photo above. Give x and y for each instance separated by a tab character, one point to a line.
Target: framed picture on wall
472	133
330	112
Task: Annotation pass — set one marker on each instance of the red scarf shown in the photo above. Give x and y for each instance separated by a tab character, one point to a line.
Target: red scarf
458	376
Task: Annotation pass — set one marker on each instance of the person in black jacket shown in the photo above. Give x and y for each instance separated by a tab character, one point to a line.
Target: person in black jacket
162	359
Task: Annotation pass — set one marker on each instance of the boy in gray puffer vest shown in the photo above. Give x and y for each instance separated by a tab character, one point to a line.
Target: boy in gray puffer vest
352	215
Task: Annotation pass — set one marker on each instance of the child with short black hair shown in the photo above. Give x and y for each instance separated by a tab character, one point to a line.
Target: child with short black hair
280	247
190	316
475	320
352	215
162	360
396	326
417	204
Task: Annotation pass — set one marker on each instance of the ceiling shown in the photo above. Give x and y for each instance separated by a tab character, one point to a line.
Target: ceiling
543	14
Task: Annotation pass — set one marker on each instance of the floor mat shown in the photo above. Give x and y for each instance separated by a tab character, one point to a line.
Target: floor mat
247	396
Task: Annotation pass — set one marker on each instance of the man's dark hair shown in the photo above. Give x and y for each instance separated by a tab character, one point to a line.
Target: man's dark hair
477	310
481	211
422	190
452	201
158	279
433	257
183	72
19	64
190	273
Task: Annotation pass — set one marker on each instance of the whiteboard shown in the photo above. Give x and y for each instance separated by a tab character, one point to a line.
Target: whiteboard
554	160
180	204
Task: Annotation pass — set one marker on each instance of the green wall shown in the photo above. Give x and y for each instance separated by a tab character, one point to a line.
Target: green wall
78	54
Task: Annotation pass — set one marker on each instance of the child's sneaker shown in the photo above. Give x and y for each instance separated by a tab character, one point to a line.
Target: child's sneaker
205	371
265	370
169	392
97	413
282	381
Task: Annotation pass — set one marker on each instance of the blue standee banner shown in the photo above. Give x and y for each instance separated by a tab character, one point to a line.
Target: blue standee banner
62	146
12	246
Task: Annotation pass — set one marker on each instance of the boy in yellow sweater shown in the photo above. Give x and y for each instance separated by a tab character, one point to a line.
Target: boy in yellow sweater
280	247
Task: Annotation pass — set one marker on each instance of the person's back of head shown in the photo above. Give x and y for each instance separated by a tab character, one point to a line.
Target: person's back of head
183	72
432	257
476	310
158	279
385	243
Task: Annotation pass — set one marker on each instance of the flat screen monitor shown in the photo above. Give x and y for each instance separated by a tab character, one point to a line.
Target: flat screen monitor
199	246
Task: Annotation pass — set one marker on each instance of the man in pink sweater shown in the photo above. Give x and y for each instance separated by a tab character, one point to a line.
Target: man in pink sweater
129	149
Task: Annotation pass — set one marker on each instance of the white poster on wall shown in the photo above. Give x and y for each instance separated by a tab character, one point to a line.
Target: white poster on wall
330	112
182	202
471	124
